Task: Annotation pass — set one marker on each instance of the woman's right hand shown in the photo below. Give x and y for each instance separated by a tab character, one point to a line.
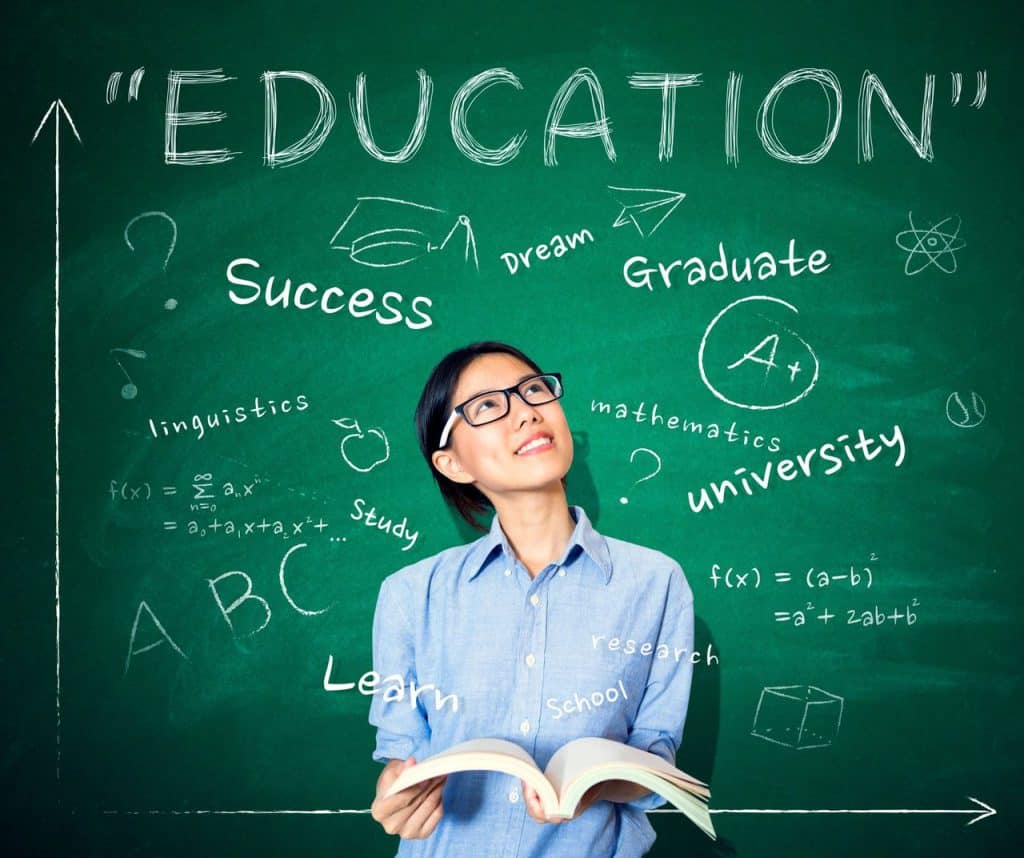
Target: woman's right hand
413	813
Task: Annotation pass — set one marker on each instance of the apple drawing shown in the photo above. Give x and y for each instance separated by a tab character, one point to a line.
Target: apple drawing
362	451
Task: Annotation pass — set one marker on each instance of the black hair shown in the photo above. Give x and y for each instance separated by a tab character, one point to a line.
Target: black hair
432	412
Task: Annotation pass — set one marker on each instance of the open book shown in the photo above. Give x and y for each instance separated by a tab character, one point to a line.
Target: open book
572	770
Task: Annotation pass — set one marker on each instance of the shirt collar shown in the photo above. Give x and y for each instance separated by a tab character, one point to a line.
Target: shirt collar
584	539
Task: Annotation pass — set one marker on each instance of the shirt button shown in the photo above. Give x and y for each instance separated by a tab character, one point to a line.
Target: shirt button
561	573
530	660
535	600
508	572
524	727
513	796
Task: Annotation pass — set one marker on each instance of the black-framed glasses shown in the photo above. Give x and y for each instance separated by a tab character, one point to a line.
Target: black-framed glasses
492	405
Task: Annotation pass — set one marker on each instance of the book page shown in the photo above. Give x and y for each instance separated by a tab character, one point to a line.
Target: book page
494	755
691	806
580	756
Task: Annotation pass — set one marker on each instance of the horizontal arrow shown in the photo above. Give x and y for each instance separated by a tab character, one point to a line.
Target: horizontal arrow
980	812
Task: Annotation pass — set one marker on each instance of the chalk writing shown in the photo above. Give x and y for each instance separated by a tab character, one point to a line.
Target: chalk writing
764	266
383	232
657	468
370	518
960	415
200	424
654	651
786	469
556	247
578	703
592	100
736	372
129	390
366	450
174	232
871	617
645	208
230	592
638	413
798	716
393	688
120	490
114	82
852	576
284	528
936	245
307	296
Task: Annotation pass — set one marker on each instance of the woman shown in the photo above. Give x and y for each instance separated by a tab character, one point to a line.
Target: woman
539	632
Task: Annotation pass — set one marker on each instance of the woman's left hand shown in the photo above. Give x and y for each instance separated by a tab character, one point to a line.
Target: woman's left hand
536	809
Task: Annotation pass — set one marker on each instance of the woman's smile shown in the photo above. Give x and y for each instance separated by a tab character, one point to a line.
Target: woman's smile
538	442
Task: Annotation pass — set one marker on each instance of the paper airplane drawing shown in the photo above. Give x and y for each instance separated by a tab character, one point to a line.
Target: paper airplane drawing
383	232
645	208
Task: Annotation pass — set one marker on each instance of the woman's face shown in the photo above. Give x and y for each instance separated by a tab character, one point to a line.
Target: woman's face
492	456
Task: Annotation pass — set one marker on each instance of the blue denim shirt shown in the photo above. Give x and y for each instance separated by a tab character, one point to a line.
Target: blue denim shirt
597	644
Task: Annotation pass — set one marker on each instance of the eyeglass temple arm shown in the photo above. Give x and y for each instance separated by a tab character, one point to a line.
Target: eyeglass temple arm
447	429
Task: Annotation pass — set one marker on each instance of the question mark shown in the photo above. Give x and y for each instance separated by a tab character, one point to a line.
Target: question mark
657	469
170	303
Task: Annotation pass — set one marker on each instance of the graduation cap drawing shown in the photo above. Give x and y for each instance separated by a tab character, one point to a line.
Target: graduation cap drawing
383	232
645	208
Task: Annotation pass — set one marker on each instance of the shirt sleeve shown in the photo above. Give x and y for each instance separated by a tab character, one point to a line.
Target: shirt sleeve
402	730
658	727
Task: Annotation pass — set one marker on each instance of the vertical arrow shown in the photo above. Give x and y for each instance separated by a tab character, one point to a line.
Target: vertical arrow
56	109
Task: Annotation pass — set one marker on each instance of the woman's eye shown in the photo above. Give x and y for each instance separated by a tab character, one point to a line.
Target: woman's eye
483	406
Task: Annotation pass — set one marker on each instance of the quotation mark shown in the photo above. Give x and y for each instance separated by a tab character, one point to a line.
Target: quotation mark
114	82
981	90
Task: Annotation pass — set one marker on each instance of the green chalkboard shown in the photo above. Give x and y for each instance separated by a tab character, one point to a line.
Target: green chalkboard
773	249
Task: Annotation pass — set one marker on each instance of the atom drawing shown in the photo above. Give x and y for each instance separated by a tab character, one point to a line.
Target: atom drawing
934	244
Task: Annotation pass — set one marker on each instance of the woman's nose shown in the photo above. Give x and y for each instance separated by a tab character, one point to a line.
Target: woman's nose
522	412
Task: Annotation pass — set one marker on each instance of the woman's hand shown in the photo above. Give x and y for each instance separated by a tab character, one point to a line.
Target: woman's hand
536	810
619	791
413	813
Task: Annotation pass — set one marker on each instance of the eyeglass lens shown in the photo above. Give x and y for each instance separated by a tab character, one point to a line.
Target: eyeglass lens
494	405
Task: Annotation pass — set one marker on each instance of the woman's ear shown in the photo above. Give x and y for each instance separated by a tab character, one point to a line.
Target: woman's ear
448	464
